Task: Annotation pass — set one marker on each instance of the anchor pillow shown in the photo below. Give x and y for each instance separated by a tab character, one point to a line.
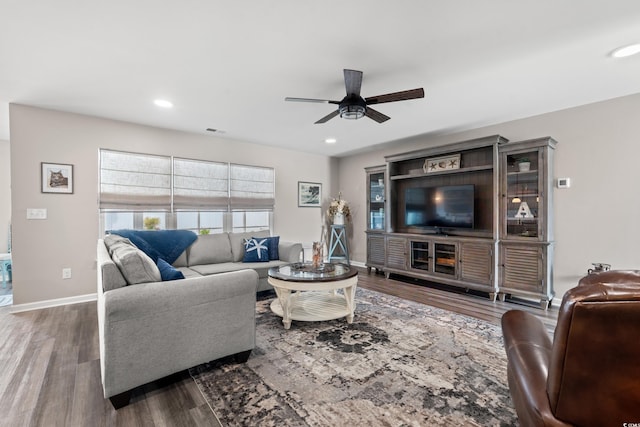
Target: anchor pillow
256	250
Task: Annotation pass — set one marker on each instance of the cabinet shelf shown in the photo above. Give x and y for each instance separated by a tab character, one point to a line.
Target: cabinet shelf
444	172
530	172
521	195
449	262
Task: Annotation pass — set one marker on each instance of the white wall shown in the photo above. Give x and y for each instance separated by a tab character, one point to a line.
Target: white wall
596	220
5	193
67	238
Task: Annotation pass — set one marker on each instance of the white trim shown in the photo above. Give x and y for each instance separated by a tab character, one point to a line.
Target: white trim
357	263
53	303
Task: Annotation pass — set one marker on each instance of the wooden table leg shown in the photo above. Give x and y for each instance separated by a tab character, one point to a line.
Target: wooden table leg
284	297
350	297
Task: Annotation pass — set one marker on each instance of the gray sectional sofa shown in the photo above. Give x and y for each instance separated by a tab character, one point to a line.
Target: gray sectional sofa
154	328
219	253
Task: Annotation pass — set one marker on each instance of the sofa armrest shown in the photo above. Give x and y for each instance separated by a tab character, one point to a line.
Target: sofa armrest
290	251
152	330
528	347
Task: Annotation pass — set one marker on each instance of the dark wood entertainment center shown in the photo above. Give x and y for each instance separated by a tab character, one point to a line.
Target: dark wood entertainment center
503	247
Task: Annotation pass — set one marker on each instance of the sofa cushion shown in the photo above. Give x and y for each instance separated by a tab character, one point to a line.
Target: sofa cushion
272	243
112	278
256	250
182	260
262	268
188	272
168	272
135	265
223	267
237	242
111	240
210	249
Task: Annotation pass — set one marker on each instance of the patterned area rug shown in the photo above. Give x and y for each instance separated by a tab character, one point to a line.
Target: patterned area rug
399	364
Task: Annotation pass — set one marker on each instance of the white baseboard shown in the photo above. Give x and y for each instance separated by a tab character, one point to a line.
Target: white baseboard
53	303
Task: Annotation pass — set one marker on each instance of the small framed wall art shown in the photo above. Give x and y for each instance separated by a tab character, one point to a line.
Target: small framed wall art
309	194
57	178
441	163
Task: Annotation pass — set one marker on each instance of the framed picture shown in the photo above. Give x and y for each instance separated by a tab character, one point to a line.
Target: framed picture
57	178
442	163
309	194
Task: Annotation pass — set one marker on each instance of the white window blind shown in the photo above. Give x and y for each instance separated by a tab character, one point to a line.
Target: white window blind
134	182
251	187
200	185
144	182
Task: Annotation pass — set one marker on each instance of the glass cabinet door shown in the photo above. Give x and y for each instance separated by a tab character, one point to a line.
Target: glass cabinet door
445	259
376	201
420	258
523	196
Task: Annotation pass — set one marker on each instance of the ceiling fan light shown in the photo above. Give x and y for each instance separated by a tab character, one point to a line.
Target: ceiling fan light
625	51
352	112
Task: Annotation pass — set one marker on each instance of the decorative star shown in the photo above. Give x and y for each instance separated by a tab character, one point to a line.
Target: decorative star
453	163
259	246
433	166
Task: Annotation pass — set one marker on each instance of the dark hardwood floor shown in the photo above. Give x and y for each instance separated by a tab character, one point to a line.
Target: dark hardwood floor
50	367
457	300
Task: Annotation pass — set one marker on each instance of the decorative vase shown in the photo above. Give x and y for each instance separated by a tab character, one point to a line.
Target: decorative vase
338	219
524	166
316	259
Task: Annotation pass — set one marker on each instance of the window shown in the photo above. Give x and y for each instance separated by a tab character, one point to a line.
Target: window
212	222
251	221
143	191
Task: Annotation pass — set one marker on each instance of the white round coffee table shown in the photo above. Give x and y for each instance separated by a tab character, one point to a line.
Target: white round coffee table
309	294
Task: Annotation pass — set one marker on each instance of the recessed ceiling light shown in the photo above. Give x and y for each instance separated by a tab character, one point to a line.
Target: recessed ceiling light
163	103
330	140
623	52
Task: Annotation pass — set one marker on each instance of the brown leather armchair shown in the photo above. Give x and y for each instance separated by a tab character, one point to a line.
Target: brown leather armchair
590	374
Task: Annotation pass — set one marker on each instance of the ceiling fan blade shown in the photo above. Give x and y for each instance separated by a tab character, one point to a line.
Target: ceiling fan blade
376	115
322	101
352	82
327	117
396	96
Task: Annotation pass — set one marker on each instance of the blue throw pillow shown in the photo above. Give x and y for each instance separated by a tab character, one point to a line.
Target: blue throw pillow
272	243
168	272
256	250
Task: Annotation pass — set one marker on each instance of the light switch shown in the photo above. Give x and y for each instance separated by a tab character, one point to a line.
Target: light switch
36	213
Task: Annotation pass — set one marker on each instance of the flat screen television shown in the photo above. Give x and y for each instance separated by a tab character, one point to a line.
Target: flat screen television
449	206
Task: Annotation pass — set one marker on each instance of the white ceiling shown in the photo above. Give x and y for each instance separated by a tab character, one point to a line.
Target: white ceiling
229	65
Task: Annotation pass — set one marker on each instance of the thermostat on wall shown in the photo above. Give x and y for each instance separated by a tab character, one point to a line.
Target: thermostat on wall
564	182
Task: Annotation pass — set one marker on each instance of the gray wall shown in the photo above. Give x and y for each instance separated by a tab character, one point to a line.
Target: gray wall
5	193
596	220
67	238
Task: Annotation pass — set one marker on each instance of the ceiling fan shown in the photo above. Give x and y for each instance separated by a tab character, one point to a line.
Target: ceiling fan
353	106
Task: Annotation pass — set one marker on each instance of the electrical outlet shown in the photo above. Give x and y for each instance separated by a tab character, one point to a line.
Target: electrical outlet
66	273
